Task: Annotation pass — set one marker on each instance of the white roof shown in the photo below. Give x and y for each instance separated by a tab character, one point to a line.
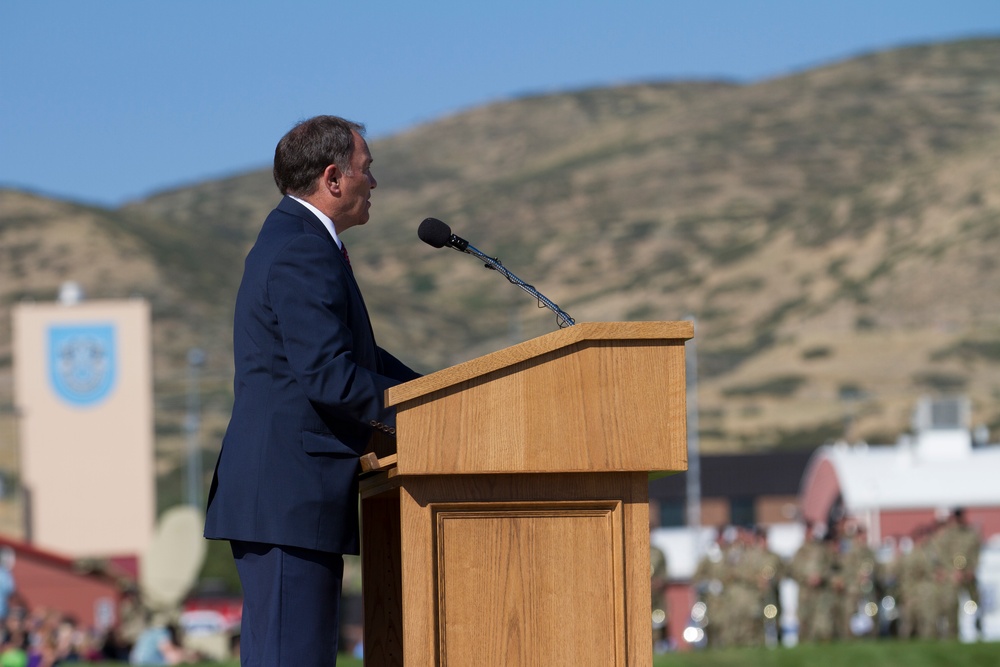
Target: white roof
683	548
912	475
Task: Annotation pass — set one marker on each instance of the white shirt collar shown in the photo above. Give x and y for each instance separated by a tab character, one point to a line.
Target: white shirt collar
327	222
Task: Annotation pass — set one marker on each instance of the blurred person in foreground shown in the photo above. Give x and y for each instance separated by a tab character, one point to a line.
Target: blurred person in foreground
309	389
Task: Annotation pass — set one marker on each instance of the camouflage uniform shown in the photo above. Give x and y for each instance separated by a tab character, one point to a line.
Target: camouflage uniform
858	570
887	586
956	547
811	567
919	572
769	572
741	598
708	580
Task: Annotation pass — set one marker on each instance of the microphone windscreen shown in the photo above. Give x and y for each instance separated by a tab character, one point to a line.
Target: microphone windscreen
434	232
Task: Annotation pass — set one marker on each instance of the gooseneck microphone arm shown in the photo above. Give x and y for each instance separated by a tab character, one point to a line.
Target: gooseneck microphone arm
438	234
562	319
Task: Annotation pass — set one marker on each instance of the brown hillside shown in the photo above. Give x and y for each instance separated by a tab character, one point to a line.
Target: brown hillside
833	232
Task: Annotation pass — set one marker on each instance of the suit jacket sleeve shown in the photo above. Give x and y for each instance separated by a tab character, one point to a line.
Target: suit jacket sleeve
395	368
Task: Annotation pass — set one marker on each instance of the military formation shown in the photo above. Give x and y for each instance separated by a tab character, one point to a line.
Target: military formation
737	583
846	590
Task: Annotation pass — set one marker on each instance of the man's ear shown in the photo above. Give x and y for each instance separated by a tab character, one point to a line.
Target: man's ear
331	178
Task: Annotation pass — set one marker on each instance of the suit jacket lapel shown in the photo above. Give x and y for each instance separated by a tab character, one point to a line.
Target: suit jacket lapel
293	207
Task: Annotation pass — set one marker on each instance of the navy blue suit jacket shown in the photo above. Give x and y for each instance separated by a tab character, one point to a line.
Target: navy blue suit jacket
309	383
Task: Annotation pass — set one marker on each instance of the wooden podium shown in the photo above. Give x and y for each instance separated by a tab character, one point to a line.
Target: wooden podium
510	526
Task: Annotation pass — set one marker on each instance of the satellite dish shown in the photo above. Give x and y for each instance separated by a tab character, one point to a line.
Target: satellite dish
168	569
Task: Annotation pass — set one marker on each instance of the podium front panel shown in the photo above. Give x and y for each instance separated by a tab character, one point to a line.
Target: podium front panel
526	570
512	578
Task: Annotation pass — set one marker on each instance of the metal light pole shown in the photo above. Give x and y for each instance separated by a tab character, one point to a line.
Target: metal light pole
694	458
196	359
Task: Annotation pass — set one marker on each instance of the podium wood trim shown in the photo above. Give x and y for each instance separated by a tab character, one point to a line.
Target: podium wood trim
585	332
598	397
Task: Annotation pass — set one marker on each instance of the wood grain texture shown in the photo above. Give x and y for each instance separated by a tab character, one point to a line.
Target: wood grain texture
512	578
536	347
606	405
526	570
371	463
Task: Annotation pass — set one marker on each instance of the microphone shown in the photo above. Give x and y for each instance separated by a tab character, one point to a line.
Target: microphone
435	233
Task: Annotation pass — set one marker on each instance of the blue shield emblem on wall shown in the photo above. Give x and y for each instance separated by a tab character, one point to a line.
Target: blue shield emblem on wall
82	362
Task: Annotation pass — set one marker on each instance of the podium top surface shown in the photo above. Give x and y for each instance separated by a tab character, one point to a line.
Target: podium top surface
583	332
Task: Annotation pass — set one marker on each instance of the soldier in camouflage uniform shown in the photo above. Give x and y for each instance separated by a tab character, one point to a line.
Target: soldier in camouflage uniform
811	568
887	586
708	581
829	623
741	595
858	570
769	572
956	547
919	574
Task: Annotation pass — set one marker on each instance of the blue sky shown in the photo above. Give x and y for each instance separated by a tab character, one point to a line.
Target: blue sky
103	101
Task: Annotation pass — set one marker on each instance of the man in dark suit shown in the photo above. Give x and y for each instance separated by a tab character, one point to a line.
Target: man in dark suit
309	389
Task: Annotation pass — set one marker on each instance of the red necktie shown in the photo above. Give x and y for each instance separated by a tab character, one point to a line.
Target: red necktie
347	258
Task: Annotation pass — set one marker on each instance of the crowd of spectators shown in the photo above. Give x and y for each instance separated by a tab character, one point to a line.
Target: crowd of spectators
43	638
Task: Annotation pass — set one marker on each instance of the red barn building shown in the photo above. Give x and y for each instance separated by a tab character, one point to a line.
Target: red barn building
46	580
895	489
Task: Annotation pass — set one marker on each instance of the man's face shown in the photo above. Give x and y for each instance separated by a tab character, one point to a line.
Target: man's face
356	186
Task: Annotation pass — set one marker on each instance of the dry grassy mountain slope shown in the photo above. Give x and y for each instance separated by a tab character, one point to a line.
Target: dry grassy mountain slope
115	255
833	232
